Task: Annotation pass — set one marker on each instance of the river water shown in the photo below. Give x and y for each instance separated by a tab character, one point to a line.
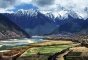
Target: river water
11	43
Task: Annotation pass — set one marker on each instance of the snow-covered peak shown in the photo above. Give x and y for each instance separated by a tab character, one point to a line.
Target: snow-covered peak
50	15
73	14
64	14
21	11
45	12
30	12
57	14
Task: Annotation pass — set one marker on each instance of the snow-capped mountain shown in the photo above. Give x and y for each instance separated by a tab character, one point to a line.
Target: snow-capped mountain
62	15
55	15
30	12
41	23
33	22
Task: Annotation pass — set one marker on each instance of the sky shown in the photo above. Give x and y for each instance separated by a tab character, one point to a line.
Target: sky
78	6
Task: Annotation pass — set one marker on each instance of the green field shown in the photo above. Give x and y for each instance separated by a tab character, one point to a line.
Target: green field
78	53
75	54
43	50
47	49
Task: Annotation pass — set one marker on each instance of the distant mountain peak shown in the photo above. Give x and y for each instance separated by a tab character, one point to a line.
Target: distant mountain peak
47	22
63	15
30	12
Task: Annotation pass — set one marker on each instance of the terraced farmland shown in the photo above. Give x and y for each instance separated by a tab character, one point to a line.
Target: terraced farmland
78	53
42	51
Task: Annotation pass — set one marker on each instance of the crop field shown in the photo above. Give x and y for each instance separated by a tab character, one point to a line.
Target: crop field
51	42
78	53
75	54
45	50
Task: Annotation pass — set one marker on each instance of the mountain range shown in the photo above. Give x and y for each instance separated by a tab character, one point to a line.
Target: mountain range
39	23
9	30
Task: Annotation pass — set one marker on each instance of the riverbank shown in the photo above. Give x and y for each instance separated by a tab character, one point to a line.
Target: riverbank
12	43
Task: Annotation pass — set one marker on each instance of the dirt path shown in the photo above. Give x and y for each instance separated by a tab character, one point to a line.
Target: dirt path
61	56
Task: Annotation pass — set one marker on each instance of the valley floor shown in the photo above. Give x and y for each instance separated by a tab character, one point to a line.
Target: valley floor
43	50
47	50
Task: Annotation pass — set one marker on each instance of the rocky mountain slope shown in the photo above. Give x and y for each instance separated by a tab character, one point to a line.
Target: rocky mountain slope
9	30
39	23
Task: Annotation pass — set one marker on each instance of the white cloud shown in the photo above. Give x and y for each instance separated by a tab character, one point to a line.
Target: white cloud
5	11
44	4
8	5
56	4
79	6
25	1
75	5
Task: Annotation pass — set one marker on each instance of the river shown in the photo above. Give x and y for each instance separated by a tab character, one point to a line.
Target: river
11	43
